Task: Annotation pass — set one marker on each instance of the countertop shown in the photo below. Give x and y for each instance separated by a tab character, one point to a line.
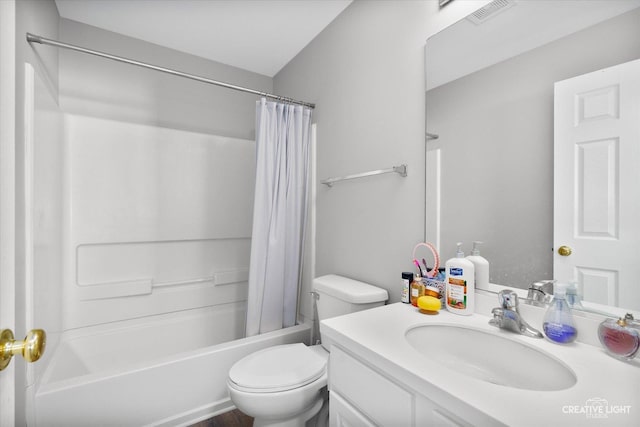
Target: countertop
377	337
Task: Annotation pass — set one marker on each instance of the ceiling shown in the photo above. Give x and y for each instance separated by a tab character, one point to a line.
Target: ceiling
256	35
481	44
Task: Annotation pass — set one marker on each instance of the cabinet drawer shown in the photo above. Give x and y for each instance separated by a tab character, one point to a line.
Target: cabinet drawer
383	401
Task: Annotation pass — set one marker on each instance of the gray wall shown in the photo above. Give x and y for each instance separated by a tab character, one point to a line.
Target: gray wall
99	87
496	137
365	72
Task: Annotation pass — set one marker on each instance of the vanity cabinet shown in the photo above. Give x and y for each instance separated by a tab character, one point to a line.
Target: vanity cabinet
360	395
380	376
342	414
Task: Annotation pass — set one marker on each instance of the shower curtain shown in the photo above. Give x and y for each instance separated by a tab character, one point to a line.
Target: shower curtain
279	215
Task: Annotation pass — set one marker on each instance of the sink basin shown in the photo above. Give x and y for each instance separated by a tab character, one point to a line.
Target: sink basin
490	357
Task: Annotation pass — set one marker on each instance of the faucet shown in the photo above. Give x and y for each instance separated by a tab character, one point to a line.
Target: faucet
540	293
508	316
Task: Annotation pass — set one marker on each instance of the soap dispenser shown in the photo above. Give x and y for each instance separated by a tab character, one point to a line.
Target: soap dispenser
558	324
460	284
481	267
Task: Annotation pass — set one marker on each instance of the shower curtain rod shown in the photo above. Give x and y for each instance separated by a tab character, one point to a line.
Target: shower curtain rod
32	38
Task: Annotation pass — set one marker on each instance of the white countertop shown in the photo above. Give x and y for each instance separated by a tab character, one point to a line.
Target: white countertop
377	337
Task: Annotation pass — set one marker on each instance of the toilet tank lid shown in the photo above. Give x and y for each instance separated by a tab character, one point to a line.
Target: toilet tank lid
349	290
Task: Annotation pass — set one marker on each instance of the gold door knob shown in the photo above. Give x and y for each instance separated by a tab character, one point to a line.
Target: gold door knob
31	348
564	250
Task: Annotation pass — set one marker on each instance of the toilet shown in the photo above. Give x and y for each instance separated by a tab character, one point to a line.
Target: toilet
285	385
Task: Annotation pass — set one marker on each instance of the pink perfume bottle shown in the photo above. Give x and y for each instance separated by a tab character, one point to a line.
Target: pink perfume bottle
620	337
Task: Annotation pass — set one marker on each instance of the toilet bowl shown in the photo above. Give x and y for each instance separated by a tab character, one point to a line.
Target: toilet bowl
280	386
285	385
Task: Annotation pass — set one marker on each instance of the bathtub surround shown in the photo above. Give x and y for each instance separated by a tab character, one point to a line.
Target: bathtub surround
159	221
118	349
283	138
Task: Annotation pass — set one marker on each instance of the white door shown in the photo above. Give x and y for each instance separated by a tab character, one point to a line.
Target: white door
7	200
597	184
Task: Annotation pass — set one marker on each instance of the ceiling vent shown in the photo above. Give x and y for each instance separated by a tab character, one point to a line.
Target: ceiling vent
490	10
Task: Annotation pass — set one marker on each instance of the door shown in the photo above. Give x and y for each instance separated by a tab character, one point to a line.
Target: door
597	184
7	199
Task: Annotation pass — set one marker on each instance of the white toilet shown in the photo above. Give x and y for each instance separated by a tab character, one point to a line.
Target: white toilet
284	385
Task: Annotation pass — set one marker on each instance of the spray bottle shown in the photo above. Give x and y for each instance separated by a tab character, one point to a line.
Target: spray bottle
558	324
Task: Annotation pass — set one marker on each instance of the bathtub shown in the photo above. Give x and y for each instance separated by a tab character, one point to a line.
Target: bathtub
167	371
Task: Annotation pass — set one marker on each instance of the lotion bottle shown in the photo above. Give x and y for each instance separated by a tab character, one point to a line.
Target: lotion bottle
481	266
460	281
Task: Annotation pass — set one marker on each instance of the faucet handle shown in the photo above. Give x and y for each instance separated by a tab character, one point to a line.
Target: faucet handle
541	292
545	286
508	299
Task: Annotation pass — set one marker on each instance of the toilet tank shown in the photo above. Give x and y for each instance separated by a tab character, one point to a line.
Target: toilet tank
338	295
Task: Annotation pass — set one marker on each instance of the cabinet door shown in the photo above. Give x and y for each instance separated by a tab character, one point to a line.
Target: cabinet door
342	414
384	401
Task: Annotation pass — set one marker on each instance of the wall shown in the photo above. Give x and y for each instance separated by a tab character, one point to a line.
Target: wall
365	72
505	176
100	87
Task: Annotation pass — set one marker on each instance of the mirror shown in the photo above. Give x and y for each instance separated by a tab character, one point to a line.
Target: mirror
490	126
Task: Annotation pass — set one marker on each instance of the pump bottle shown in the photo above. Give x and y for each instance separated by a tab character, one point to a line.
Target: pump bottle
460	282
481	266
558	324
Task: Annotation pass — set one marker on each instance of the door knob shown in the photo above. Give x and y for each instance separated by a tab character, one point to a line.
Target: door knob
564	250
31	348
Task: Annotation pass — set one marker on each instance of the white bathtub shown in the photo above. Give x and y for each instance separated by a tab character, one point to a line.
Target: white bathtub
168	371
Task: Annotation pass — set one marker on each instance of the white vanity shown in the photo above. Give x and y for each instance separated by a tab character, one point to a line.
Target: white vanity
389	367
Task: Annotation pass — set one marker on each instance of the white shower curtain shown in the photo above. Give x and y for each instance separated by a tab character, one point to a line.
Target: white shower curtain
279	215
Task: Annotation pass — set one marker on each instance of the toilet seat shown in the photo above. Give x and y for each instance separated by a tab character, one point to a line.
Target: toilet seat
278	368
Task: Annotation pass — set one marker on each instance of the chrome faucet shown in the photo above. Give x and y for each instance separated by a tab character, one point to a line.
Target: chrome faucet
508	316
540	293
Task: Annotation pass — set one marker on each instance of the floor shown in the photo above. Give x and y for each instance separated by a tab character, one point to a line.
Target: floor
233	418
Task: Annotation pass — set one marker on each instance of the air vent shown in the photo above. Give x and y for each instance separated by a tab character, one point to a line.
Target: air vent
490	10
